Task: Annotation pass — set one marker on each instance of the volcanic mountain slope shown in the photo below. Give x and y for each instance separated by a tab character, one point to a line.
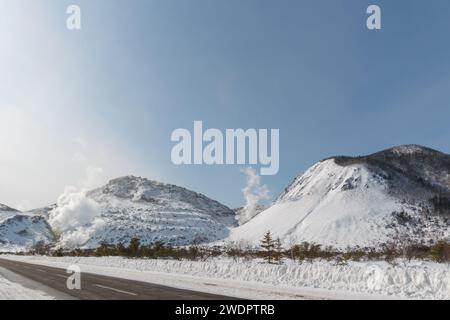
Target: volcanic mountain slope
6	212
132	207
21	231
399	193
257	210
44	211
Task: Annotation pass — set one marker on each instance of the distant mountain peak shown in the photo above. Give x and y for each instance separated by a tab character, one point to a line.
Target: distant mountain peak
131	179
146	190
6	208
406	150
409	149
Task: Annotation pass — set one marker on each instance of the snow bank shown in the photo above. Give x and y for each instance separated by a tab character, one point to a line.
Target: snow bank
414	280
13	291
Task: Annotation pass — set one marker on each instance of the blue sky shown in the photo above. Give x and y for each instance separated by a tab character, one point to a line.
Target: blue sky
110	95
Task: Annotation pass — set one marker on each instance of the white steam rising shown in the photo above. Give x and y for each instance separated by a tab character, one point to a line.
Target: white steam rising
77	217
253	192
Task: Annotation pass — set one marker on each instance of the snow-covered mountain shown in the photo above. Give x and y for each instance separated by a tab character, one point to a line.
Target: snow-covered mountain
152	211
45	211
21	231
395	194
399	193
6	212
258	209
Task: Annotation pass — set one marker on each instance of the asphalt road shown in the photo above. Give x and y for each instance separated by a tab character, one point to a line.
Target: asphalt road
95	287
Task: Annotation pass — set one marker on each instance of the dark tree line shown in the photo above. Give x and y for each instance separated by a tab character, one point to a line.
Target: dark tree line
270	250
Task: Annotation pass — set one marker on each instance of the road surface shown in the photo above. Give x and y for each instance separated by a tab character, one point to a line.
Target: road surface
94	287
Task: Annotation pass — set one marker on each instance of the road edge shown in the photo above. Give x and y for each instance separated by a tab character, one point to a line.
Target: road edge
34	285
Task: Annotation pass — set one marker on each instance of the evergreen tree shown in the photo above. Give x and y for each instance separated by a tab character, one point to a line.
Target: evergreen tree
268	245
134	247
278	251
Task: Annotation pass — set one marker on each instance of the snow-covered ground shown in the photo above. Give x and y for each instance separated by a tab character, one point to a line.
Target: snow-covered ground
13	291
257	280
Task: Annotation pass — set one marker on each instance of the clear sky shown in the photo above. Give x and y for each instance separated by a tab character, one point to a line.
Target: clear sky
110	95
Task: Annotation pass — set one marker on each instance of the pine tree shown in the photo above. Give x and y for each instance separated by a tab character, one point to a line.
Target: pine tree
134	247
278	251
268	246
